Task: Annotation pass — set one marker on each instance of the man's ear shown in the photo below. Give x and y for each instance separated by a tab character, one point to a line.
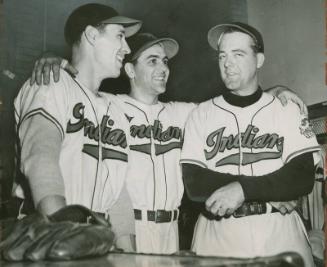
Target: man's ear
260	60
90	34
129	69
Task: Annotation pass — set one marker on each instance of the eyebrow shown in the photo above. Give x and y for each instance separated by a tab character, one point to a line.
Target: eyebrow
156	56
234	50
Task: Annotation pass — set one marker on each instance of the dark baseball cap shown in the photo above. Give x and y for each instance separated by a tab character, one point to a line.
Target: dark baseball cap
96	14
215	33
142	41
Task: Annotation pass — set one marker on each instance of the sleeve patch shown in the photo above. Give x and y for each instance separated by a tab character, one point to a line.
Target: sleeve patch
306	128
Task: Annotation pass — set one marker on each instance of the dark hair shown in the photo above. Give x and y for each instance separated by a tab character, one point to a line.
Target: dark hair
255	47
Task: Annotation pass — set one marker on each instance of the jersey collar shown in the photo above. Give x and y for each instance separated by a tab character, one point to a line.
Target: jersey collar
242	101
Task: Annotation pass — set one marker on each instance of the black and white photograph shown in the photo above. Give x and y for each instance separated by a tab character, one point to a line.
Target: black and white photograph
163	133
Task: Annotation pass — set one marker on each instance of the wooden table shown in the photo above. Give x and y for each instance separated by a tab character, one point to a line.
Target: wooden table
146	260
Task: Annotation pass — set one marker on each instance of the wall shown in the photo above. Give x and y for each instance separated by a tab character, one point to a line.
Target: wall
30	27
294	34
35	26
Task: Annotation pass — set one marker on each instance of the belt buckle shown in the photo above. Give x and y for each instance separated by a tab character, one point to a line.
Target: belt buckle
239	213
242	211
159	215
156	216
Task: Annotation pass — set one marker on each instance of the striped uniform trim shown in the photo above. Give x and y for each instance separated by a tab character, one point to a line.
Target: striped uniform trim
196	162
302	151
45	114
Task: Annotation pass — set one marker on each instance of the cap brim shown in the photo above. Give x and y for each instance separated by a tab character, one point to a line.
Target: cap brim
171	47
215	32
131	26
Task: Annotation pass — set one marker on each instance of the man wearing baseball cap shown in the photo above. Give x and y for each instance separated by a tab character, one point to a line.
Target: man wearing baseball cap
241	151
73	142
154	178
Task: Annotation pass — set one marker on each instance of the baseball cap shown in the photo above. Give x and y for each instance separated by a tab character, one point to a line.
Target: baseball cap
215	33
96	14
143	41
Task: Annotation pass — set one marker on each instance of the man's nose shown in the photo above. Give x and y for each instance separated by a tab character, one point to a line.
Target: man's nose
125	47
229	61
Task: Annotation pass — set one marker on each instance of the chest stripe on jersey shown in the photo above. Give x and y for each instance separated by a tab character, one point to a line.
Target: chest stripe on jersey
107	153
46	115
248	158
144	148
162	149
159	149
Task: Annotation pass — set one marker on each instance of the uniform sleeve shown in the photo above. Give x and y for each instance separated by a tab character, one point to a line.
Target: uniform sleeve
50	101
193	145
40	112
298	135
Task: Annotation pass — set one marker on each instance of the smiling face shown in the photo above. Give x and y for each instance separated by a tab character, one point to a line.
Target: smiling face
239	63
110	49
150	72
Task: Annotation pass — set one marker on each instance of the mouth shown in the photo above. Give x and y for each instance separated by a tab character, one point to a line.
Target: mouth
120	59
160	78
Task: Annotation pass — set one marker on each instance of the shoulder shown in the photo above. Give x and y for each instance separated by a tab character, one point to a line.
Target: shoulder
32	96
179	106
210	103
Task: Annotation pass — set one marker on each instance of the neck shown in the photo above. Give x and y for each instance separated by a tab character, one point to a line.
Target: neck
249	89
87	76
87	72
142	97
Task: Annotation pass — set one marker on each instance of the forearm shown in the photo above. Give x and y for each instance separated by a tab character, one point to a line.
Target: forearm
200	183
294	179
41	145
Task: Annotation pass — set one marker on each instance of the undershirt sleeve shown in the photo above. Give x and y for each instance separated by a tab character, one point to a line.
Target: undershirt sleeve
40	150
294	179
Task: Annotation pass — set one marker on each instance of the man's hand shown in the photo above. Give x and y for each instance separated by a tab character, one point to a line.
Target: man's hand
285	207
284	94
226	199
46	64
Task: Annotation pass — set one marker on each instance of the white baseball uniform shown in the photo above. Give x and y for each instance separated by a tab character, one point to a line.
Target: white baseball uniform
94	150
154	178
270	137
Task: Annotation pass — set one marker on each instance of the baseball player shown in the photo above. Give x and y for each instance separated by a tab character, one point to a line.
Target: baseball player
257	151
74	147
154	177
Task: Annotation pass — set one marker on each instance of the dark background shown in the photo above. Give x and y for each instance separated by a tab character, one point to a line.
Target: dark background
30	28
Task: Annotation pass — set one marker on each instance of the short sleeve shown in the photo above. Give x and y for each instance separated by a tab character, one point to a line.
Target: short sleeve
298	135
49	101
193	145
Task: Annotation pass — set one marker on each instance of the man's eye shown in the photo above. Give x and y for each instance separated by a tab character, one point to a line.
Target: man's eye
153	61
165	61
239	54
120	36
220	57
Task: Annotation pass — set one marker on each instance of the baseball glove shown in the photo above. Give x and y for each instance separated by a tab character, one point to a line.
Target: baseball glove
65	235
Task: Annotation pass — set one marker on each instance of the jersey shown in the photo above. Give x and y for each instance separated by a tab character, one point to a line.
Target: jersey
254	140
94	149
154	177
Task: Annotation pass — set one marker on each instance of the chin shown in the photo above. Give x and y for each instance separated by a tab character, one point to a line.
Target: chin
161	90
232	86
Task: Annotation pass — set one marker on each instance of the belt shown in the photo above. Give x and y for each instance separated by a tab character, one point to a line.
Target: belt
247	209
157	216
